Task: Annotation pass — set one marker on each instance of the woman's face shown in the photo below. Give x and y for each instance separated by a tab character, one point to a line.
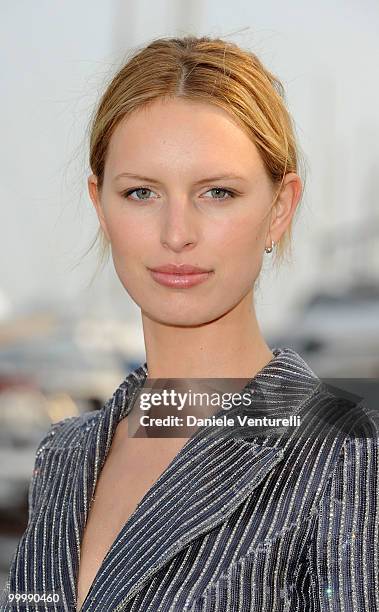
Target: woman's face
182	211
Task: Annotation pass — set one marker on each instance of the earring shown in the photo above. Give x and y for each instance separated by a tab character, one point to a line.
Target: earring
269	249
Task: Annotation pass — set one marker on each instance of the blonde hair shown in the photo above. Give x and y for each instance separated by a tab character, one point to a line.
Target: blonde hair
209	70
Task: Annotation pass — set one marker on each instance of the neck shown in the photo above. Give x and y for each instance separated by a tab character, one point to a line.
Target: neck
231	346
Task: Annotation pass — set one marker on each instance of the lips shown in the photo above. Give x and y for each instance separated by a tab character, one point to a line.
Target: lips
179	276
176	269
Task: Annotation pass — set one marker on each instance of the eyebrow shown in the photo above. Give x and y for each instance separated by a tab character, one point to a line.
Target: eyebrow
200	182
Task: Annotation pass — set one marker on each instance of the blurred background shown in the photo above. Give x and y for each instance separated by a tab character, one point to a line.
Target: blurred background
65	345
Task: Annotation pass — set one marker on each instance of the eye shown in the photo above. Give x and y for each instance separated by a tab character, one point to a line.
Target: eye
127	193
220	189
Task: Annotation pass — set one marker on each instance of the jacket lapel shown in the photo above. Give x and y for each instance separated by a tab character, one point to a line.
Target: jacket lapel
201	487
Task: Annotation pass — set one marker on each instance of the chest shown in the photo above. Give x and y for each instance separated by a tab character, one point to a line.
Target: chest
132	467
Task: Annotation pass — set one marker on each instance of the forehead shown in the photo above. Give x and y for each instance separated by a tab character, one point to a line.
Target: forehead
179	132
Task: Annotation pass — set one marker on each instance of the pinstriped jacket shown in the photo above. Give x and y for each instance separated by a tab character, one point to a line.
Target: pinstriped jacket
236	522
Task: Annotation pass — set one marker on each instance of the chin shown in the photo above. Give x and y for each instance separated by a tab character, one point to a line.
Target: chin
176	320
183	317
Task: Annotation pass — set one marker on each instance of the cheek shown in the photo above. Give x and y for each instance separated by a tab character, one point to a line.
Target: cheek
127	237
240	240
240	256
129	248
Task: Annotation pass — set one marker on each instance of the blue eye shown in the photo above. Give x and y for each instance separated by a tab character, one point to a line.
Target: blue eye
126	194
230	193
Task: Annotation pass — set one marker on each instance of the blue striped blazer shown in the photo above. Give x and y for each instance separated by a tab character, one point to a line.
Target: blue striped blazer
237	522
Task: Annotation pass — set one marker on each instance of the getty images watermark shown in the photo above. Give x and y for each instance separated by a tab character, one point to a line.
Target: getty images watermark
180	401
178	407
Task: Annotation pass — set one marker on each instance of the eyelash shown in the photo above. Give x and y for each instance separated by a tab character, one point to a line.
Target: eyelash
127	193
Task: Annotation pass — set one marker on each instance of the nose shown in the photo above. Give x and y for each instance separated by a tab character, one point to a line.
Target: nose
178	225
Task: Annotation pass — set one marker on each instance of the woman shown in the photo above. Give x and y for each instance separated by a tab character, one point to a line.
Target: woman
194	163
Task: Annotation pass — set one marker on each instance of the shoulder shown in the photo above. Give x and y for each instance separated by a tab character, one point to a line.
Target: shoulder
356	473
67	432
361	446
342	435
343	414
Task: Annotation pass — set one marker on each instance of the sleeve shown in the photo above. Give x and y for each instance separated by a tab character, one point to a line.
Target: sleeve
344	551
33	490
37	473
4	605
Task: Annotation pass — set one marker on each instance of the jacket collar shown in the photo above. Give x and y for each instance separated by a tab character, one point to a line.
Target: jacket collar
211	475
281	385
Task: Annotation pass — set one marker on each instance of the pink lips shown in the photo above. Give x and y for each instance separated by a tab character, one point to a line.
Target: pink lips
180	276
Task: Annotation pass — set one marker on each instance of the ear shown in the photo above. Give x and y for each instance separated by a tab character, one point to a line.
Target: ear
95	196
285	206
